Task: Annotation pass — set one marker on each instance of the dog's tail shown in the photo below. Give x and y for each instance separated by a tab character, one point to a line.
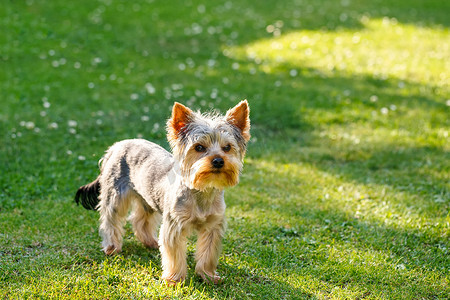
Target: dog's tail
88	194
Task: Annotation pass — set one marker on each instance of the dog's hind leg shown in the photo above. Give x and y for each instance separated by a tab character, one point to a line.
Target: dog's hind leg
114	206
145	223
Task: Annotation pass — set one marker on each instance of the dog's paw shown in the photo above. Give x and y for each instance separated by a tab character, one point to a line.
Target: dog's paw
213	279
152	244
111	250
171	281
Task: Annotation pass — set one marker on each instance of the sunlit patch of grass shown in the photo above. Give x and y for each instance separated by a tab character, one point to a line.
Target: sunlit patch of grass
383	49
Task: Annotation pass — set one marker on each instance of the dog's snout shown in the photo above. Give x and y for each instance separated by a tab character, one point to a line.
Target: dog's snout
218	162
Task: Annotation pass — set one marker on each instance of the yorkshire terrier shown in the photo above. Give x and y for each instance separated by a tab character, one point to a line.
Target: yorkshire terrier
185	190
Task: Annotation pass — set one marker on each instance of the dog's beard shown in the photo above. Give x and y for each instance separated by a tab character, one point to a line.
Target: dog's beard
202	175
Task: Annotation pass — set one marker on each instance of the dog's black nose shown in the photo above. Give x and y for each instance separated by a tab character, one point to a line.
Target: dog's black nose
218	162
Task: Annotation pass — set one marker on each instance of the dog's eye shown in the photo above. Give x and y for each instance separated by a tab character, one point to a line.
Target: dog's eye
200	148
227	148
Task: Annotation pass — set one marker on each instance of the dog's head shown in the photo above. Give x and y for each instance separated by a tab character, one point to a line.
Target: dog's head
209	148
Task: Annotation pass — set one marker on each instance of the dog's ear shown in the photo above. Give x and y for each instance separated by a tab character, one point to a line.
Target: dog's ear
239	116
181	116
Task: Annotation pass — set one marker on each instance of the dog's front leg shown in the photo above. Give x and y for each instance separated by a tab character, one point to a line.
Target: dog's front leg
173	251
209	245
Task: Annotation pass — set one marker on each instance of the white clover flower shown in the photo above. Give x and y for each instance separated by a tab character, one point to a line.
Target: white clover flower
30	125
53	125
150	88
72	123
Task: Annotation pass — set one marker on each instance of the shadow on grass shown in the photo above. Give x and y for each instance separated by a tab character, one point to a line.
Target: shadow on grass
416	171
338	14
330	249
239	281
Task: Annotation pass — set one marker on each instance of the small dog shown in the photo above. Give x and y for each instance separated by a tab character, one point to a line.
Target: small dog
185	190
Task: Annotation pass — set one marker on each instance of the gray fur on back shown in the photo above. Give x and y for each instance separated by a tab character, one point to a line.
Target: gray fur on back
151	173
137	165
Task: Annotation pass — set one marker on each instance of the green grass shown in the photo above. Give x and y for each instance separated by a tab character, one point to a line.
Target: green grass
345	192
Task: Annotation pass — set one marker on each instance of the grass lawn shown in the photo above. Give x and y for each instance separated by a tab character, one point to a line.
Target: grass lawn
345	192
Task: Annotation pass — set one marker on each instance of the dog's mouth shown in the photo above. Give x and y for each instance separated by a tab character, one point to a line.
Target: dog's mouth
214	178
